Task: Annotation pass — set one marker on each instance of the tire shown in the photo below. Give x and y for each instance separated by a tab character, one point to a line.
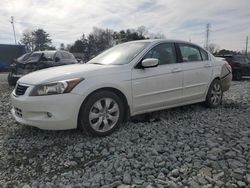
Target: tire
101	113
11	80
237	75
214	94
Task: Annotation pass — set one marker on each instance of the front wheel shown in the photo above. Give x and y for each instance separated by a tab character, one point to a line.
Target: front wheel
102	113
214	95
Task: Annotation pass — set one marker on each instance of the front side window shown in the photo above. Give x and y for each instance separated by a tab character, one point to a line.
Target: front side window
189	53
59	55
165	53
48	55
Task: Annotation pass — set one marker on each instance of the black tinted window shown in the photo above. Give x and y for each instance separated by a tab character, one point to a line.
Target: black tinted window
189	53
165	53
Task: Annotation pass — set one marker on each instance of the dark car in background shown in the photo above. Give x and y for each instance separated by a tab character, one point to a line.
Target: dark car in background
33	61
240	65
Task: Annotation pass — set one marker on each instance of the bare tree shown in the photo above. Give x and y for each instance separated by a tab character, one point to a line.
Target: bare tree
213	48
28	41
37	40
42	40
68	46
157	36
142	31
62	46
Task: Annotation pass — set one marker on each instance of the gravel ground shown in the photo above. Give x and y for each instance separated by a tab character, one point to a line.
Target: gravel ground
190	146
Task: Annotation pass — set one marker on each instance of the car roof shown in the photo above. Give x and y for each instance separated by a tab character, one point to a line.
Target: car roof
161	40
156	41
50	51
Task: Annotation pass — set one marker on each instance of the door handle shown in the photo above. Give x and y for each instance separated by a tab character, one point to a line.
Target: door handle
176	70
207	65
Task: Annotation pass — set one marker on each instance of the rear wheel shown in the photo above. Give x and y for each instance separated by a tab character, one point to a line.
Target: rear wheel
214	95
102	113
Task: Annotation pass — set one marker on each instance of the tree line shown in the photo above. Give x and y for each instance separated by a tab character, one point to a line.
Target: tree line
37	40
89	45
97	41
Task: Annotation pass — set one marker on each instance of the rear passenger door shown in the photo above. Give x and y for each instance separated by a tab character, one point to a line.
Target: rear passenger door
197	71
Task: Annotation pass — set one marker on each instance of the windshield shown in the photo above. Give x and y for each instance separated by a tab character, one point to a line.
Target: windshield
23	57
35	56
120	54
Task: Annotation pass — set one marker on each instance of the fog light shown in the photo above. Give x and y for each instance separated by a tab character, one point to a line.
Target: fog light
49	114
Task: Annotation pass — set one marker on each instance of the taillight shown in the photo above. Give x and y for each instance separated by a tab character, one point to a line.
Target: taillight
229	68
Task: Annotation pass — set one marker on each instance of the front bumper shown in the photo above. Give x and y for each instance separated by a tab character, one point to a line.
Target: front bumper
52	112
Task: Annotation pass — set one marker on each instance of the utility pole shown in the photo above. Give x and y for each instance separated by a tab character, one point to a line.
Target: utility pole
207	35
12	23
246	44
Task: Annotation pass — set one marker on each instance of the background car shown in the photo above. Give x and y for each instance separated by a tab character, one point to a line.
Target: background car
126	80
30	62
240	65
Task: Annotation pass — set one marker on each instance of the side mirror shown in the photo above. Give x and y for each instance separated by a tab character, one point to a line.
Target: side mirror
57	59
149	62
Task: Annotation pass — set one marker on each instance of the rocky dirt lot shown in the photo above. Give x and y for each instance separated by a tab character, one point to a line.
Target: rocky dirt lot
190	146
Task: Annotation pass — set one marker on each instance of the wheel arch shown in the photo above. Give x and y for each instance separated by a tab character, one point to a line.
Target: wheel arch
119	93
217	77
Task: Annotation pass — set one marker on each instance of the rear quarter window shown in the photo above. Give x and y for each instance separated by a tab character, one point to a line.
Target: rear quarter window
65	55
204	55
71	56
189	53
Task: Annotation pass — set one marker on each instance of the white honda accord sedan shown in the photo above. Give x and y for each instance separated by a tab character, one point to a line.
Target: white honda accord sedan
129	79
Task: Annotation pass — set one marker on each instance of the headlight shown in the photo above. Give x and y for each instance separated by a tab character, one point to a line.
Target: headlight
55	88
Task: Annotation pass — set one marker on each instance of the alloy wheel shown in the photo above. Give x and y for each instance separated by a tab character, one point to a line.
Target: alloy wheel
216	94
104	114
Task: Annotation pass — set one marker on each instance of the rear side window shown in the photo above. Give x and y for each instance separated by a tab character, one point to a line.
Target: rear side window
204	55
165	53
189	53
59	55
65	55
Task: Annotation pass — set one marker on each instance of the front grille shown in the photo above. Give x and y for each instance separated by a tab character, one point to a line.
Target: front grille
20	89
18	112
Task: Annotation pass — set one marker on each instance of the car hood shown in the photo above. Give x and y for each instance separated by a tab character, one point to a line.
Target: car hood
66	72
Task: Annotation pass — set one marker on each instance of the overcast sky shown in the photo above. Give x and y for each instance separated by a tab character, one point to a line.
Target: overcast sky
66	20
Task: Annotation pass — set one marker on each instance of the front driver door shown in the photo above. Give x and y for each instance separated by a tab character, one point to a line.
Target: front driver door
157	87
